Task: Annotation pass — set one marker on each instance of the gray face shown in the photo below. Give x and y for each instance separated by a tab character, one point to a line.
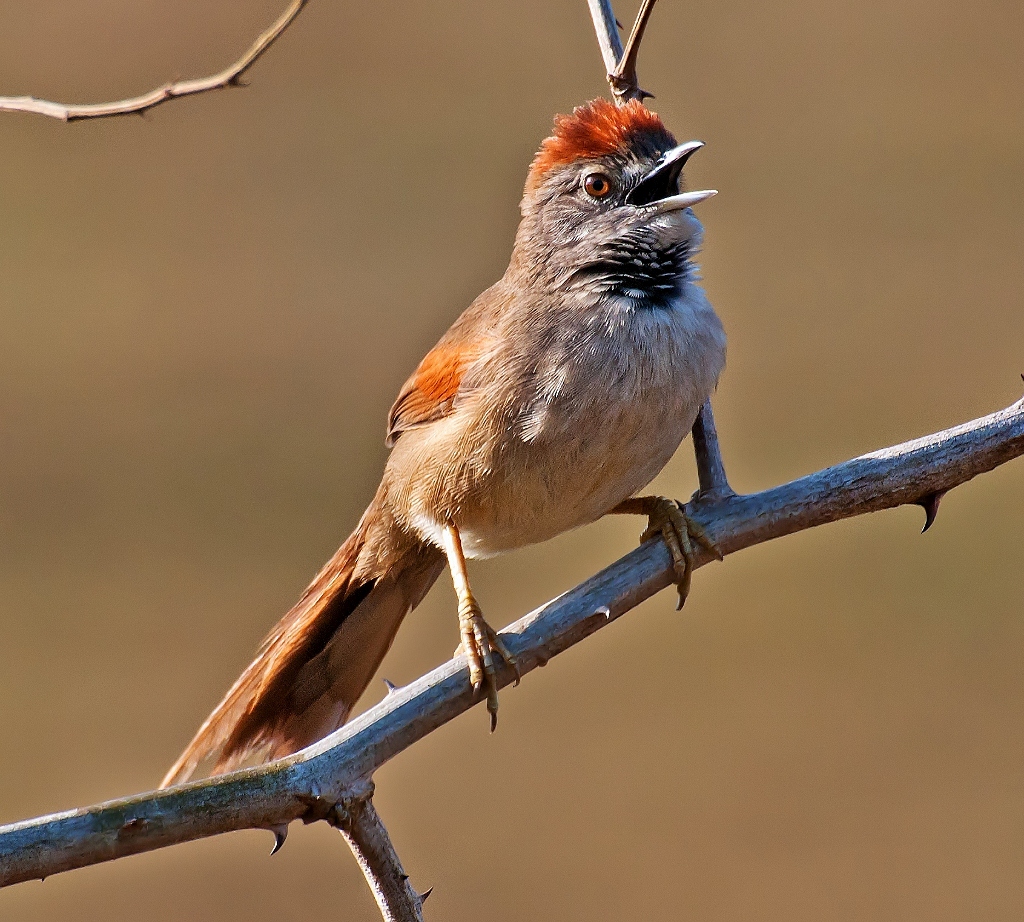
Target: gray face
615	225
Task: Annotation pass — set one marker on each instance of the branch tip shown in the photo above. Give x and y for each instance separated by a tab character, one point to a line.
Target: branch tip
138	105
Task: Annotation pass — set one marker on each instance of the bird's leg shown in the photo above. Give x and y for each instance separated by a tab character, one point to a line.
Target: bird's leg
668	519
480	642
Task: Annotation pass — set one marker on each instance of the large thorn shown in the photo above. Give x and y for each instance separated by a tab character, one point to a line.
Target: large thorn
930	504
425	894
280	834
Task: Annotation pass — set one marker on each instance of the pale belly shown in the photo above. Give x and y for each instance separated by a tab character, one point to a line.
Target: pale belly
545	488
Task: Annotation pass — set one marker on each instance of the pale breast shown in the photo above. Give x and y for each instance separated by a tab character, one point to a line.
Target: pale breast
606	410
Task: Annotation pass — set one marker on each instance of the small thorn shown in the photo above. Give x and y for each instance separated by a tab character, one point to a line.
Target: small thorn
280	834
930	504
425	894
392	688
404	877
494	720
606	611
132	826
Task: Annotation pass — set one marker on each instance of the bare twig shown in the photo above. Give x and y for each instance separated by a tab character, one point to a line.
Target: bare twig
607	33
334	770
229	77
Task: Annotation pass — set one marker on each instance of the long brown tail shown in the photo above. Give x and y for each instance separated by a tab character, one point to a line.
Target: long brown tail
319	658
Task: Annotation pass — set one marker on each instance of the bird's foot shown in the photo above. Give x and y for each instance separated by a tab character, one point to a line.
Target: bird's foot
482	644
668	519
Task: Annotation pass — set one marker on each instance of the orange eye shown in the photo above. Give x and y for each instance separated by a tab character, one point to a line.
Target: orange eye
597	185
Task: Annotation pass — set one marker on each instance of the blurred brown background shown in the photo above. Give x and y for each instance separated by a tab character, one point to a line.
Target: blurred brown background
206	313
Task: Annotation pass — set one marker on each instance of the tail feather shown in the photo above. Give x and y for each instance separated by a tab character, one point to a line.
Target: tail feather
318	659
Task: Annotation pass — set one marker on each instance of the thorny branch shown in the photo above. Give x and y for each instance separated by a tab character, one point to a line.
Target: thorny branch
331	775
229	77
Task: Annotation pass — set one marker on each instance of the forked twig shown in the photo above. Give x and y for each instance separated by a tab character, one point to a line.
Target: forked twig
624	81
619	62
137	105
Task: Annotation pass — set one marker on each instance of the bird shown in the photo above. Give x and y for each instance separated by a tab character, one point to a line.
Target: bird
554	398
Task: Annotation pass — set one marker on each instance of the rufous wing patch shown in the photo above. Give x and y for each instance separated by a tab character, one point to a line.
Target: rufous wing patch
431	391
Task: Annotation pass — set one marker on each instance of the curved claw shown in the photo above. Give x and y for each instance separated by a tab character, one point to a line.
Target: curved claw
667	518
480	643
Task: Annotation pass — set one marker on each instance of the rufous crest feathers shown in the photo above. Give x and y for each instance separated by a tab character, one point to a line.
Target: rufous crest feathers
596	129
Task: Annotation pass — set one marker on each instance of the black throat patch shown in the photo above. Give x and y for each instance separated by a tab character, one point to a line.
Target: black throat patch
635	269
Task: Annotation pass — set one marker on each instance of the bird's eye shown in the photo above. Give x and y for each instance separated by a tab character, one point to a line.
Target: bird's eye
597	185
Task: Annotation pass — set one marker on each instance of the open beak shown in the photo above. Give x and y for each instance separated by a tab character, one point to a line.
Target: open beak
659	189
